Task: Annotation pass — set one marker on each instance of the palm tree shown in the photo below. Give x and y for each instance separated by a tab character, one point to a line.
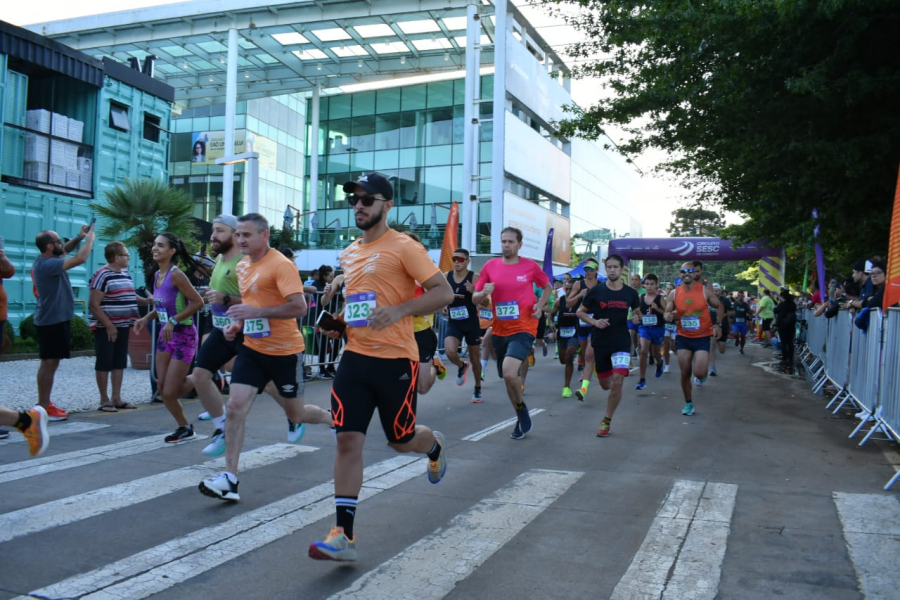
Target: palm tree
137	210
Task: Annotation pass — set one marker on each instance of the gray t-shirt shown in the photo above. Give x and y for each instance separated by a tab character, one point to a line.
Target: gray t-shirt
55	302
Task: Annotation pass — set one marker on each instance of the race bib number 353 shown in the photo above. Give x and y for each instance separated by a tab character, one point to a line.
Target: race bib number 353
358	308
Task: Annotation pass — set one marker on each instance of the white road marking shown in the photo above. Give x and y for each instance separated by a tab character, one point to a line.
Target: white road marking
871	524
157	569
466	543
681	556
480	435
70	460
82	506
56	429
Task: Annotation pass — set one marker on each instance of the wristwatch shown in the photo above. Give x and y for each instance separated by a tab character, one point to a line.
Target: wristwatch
226	300
173	321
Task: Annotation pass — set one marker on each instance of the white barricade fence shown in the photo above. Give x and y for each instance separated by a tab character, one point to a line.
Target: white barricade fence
816	328
890	379
840	336
859	357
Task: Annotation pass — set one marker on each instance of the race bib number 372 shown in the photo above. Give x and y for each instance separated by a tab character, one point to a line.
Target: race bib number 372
507	311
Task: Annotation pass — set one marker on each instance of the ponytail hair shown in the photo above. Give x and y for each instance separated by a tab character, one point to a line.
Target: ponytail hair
182	257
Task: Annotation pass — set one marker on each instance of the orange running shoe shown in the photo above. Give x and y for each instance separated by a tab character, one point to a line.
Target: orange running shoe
36	434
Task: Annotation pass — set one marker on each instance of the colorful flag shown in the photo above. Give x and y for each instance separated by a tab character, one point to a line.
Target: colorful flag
548	255
892	283
450	245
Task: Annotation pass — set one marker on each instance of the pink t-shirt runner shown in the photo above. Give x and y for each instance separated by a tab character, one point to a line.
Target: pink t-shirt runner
513	294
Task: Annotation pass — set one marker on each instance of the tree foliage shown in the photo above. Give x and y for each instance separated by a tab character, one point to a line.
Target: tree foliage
695	222
767	108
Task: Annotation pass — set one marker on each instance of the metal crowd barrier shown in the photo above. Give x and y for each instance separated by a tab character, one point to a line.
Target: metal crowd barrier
864	366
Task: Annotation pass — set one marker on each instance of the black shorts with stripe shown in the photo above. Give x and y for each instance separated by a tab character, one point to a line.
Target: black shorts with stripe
364	383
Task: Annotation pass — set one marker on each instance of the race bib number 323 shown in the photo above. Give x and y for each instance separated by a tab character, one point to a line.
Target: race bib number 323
358	309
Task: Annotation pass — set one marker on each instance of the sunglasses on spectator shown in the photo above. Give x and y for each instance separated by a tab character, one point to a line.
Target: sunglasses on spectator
591	269
687	270
459	259
367	200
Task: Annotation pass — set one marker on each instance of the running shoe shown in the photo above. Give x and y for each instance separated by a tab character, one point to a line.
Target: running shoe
581	393
688	409
567	392
325	375
712	371
180	434
742	350
580	367
36	434
698	381
531	358
524	420
545	348
604	430
476	396
204	416
54	413
440	368
295	431
336	546
220	487
517	432
641	384
437	468
4	434
216	445
462	374
666	369
556	354
659	369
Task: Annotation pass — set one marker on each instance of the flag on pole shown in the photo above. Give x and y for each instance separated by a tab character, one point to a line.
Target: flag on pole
450	245
548	255
892	283
820	260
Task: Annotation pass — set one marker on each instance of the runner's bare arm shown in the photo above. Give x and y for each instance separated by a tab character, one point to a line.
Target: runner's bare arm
438	294
576	295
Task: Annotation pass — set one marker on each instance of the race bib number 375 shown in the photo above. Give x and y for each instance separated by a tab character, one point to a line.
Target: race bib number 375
257	328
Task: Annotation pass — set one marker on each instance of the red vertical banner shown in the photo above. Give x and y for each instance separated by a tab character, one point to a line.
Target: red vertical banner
449	246
892	283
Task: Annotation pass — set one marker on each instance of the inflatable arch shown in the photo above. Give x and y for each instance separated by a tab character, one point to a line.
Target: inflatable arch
771	260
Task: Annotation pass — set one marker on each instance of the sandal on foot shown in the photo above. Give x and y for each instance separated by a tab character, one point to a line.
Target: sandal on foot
107	408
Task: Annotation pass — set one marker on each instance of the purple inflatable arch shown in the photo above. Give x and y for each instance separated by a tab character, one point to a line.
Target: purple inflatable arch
771	265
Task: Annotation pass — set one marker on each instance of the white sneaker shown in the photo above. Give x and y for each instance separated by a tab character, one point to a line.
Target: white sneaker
697	381
217	444
204	416
295	431
665	368
220	487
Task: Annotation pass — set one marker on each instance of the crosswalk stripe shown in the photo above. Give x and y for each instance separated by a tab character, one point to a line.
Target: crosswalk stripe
81	506
55	430
156	569
80	458
467	541
480	435
871	524
682	553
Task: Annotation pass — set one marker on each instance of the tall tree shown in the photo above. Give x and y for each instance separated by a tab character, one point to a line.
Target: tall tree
695	222
768	108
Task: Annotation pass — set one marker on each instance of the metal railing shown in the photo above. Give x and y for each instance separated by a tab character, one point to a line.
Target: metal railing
863	365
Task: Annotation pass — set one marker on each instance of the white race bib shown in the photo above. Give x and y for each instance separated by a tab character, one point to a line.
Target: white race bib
671	327
162	314
507	311
219	317
566	332
486	314
649	321
459	313
739	319
621	360
690	323
257	328
358	308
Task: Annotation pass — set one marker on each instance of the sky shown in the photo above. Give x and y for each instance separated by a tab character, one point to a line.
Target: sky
657	197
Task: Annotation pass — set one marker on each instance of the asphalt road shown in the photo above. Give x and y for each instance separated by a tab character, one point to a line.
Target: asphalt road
758	495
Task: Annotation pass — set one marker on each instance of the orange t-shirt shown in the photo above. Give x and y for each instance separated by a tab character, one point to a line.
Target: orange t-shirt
267	283
388	268
692	312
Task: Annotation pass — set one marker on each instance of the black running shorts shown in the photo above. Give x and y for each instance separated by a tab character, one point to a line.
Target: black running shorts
216	351
257	369
427	342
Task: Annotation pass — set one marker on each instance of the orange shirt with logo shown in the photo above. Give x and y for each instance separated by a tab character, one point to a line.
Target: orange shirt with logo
389	267
692	303
267	283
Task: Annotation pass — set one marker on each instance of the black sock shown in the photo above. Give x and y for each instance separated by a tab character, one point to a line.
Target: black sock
24	421
435	451
607	420
520	406
345	507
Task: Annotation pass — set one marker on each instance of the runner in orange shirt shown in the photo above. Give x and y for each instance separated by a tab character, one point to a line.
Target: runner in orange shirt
272	300
380	365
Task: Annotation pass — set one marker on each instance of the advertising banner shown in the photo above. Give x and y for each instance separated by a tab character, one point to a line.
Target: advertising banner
535	223
207	146
892	282
683	248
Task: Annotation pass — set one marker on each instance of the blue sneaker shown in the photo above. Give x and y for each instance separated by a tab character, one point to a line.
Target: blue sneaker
524	420
337	546
517	432
295	431
688	409
659	369
641	385
437	468
217	444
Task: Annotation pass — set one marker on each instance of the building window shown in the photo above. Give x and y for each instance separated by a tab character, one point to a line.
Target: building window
151	127
118	117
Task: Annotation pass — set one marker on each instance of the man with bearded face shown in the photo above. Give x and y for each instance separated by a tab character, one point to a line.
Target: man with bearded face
55	306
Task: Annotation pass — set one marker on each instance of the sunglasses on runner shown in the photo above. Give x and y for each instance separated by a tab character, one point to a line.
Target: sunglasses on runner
687	271
459	259
366	200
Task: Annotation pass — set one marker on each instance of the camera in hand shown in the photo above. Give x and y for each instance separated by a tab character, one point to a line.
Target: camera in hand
328	322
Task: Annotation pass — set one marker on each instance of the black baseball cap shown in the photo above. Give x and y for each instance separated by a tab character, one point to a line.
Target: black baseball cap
373	183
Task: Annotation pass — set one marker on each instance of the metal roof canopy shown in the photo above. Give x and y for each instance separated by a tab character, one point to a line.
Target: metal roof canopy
286	46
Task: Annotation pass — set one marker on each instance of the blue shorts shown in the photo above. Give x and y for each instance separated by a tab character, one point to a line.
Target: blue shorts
654	334
517	345
740	328
700	344
584	332
632	326
563	343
